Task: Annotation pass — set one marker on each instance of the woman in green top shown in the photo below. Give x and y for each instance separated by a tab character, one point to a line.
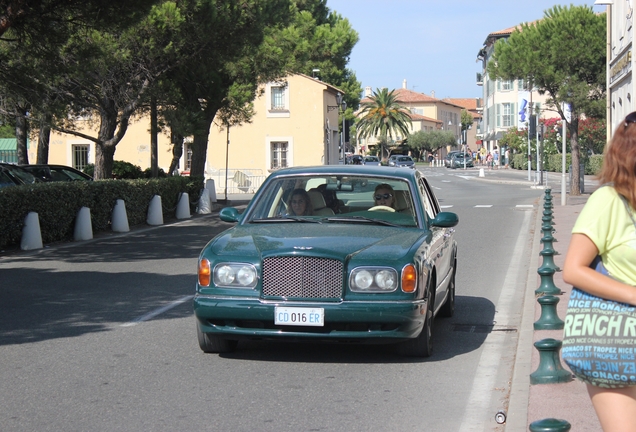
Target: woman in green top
605	228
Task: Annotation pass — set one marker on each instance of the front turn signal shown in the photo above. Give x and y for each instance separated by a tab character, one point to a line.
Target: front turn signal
409	279
204	272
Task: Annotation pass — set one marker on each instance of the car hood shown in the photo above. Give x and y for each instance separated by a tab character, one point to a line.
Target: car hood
330	240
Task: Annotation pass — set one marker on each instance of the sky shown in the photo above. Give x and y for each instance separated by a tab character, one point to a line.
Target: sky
433	44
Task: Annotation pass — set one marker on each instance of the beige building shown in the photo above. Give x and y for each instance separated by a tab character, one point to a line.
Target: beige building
295	124
474	108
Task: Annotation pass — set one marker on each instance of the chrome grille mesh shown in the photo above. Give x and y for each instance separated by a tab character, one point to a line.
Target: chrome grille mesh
302	277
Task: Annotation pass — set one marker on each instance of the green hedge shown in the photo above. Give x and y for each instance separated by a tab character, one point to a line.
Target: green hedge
555	162
57	204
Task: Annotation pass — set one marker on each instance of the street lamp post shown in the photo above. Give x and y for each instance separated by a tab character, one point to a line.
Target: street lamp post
342	135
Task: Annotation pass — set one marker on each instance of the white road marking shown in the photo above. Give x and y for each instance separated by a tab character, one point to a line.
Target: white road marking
156	312
445	206
484	382
446	181
525	205
483	206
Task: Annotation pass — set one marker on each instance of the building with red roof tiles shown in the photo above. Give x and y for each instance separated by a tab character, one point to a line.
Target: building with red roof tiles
426	112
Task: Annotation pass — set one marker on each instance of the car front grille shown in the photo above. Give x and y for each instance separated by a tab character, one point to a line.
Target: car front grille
302	278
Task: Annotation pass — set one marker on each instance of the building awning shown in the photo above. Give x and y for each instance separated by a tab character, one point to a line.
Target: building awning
8	144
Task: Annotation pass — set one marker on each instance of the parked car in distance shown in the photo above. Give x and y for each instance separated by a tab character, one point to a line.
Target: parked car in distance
14	175
371	160
448	157
459	160
401	161
50	173
369	273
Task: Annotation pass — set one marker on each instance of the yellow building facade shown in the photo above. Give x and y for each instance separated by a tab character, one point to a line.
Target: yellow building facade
296	123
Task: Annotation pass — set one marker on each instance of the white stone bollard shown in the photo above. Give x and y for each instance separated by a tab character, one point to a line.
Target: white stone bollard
31	234
183	207
204	207
83	225
155	213
481	172
209	185
120	218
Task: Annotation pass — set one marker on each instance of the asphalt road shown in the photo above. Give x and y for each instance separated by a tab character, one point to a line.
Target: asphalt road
99	336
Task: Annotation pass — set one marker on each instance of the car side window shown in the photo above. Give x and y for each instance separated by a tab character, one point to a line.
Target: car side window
430	203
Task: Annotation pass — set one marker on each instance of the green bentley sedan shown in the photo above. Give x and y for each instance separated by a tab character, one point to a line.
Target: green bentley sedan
330	253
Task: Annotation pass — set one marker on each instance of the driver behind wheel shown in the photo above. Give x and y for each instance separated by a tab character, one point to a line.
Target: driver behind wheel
384	195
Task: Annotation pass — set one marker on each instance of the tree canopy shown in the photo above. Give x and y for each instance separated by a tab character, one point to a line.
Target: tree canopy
191	58
562	55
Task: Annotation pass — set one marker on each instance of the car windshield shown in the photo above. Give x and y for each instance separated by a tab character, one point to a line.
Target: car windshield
24	176
371	159
334	199
405	159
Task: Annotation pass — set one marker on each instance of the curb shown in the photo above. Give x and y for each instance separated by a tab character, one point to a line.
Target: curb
517	418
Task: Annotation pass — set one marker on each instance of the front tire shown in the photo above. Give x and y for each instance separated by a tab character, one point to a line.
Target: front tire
213	344
421	346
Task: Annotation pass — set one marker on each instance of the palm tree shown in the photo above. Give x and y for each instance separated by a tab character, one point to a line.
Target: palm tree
383	117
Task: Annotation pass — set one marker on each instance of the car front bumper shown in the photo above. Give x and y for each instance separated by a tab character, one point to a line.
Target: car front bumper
240	318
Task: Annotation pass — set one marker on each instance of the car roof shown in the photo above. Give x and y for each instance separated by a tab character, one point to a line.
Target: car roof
371	170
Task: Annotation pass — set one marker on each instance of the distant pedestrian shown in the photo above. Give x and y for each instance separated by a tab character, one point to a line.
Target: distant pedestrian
507	157
489	160
495	158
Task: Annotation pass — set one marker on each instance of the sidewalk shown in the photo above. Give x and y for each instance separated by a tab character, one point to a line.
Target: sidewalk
566	401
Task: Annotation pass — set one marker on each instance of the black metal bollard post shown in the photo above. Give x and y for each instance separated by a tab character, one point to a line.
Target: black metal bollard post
550	369
550	425
549	319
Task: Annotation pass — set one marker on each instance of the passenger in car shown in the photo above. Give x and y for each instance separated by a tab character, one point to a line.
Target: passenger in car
384	195
299	203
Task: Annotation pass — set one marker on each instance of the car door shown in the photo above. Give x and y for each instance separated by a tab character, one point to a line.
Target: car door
441	242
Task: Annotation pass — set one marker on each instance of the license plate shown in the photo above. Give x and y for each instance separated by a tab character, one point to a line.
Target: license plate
299	316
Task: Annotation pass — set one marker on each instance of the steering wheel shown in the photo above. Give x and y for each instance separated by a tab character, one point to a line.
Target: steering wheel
382	208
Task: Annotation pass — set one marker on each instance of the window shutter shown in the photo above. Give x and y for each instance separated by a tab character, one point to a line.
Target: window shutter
498	115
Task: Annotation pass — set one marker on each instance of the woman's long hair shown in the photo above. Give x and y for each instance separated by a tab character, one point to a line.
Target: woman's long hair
619	161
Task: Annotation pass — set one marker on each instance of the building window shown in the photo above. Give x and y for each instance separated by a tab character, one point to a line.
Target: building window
278	98
278	155
187	163
521	85
80	156
505	115
506	85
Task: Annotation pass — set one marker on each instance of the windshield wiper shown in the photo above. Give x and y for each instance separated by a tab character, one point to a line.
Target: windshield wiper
361	219
286	219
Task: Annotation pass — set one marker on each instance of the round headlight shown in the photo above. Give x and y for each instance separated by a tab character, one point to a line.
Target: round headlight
246	276
225	275
385	280
363	279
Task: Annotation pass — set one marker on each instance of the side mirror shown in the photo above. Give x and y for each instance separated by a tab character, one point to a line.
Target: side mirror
445	220
229	214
